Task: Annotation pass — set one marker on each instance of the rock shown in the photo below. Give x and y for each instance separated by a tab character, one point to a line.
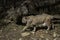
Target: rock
47	39
20	38
54	34
25	34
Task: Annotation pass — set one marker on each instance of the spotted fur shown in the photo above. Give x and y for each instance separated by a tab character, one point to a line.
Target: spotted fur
39	20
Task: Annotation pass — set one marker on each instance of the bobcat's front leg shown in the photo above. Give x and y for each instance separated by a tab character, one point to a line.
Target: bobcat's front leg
34	30
27	26
24	28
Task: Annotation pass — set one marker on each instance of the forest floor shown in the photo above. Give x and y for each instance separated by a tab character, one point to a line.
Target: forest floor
13	32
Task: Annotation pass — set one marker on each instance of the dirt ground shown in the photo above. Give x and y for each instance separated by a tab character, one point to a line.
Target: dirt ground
13	32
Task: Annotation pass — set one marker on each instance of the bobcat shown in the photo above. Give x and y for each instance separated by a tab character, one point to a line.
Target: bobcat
38	20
